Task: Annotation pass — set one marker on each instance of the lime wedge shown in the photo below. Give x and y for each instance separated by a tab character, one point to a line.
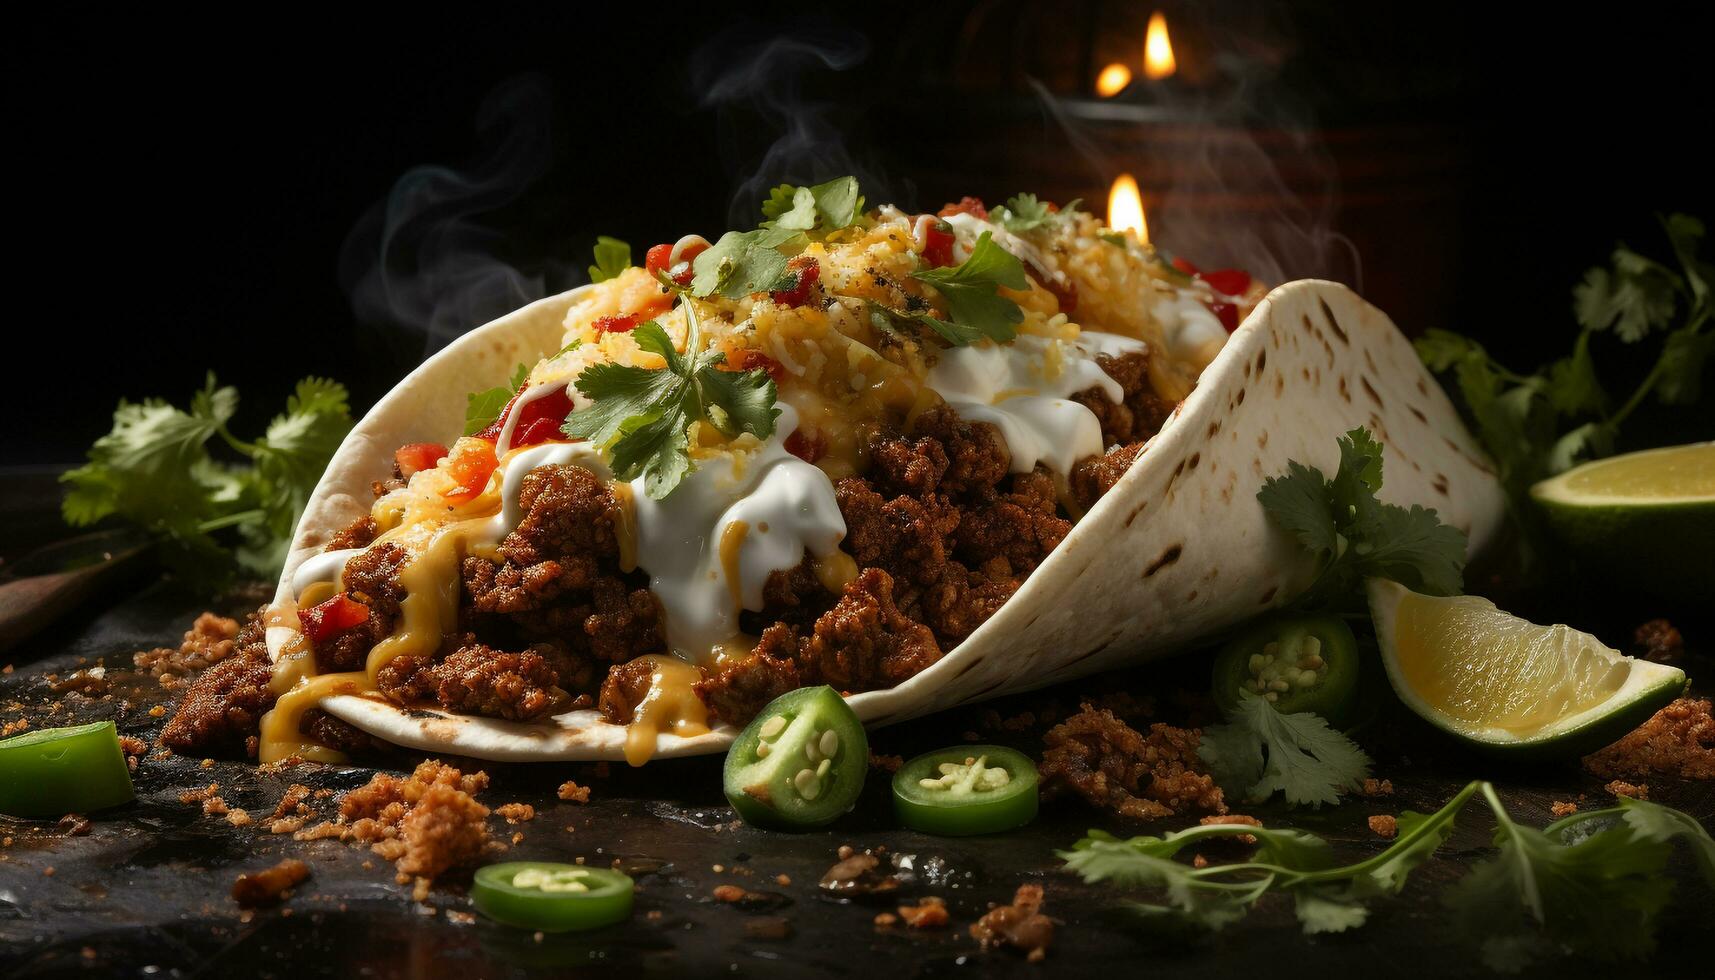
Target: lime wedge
1643	520
1499	682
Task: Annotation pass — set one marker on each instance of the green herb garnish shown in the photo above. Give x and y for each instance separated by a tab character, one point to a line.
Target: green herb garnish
1355	535
743	262
1260	752
482	408
1025	213
972	292
612	257
1536	425
824	207
154	469
641	416
1592	883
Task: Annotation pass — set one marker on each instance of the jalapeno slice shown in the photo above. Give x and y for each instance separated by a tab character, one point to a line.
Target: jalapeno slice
966	789
552	897
800	763
1299	663
56	771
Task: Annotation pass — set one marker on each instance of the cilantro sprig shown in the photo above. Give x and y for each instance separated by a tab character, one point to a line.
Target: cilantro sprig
1261	751
482	408
1591	883
743	262
612	257
155	470
1355	535
975	308
1024	213
1541	423
641	416
828	206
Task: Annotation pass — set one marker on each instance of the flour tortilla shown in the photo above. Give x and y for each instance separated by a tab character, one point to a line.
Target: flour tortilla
1179	549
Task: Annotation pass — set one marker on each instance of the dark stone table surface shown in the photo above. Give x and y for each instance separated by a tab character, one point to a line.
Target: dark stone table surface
146	891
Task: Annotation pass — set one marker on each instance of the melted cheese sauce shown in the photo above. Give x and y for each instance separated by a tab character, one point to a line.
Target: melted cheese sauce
1024	389
671	707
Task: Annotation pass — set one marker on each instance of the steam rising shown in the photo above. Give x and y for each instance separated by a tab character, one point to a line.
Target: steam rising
764	82
422	263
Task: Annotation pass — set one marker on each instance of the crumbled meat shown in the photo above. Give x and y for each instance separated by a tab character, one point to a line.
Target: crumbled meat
426	823
1658	640
478	679
905	536
444	830
1021	526
1020	925
571	792
1384	825
1561	808
743	688
624	689
1140	414
292	802
1620	787
210	640
977	456
271	886
865	642
929	913
1678	740
1376	787
224	707
1093	476
516	812
858	874
794	596
408	678
358	534
1109	764
906	467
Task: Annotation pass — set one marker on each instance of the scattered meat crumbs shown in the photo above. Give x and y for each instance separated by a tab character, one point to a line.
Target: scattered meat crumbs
929	913
425	823
210	640
571	791
134	750
516	812
1658	640
1236	819
1108	763
1385	825
1376	787
14	727
270	886
1619	787
1678	740
74	825
1560	809
292	802
1020	925
728	893
886	763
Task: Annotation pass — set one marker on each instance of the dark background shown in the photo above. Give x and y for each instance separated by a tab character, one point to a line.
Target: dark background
190	193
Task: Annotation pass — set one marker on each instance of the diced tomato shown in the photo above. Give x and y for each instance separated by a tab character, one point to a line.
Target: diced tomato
540	419
751	360
938	244
966	205
1184	265
1227	313
493	431
803	272
470	469
807	447
1228	282
333	617
536	431
415	456
617	324
657	258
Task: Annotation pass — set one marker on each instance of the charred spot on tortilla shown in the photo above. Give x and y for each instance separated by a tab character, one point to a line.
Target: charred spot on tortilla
1413	409
1345	393
1333	322
1370	390
1440	484
1268	597
1167	558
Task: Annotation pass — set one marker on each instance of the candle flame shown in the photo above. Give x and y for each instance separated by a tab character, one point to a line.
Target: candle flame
1113	80
1158	60
1125	207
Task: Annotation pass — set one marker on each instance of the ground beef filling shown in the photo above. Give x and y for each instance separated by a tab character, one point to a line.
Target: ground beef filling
941	529
223	709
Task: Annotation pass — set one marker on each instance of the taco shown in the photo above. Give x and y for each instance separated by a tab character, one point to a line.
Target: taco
925	459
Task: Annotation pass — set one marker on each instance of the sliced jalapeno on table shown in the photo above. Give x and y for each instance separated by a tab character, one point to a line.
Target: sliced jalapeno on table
552	897
965	790
800	763
56	771
1299	663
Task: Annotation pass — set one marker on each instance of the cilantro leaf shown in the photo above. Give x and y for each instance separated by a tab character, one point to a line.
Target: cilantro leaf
1022	213
1573	388
1261	751
1635	297
742	263
1441	349
828	206
612	257
1355	534
482	408
972	292
640	416
1684	358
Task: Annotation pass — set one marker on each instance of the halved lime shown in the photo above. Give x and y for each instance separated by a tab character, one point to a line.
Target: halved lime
1499	682
1644	520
